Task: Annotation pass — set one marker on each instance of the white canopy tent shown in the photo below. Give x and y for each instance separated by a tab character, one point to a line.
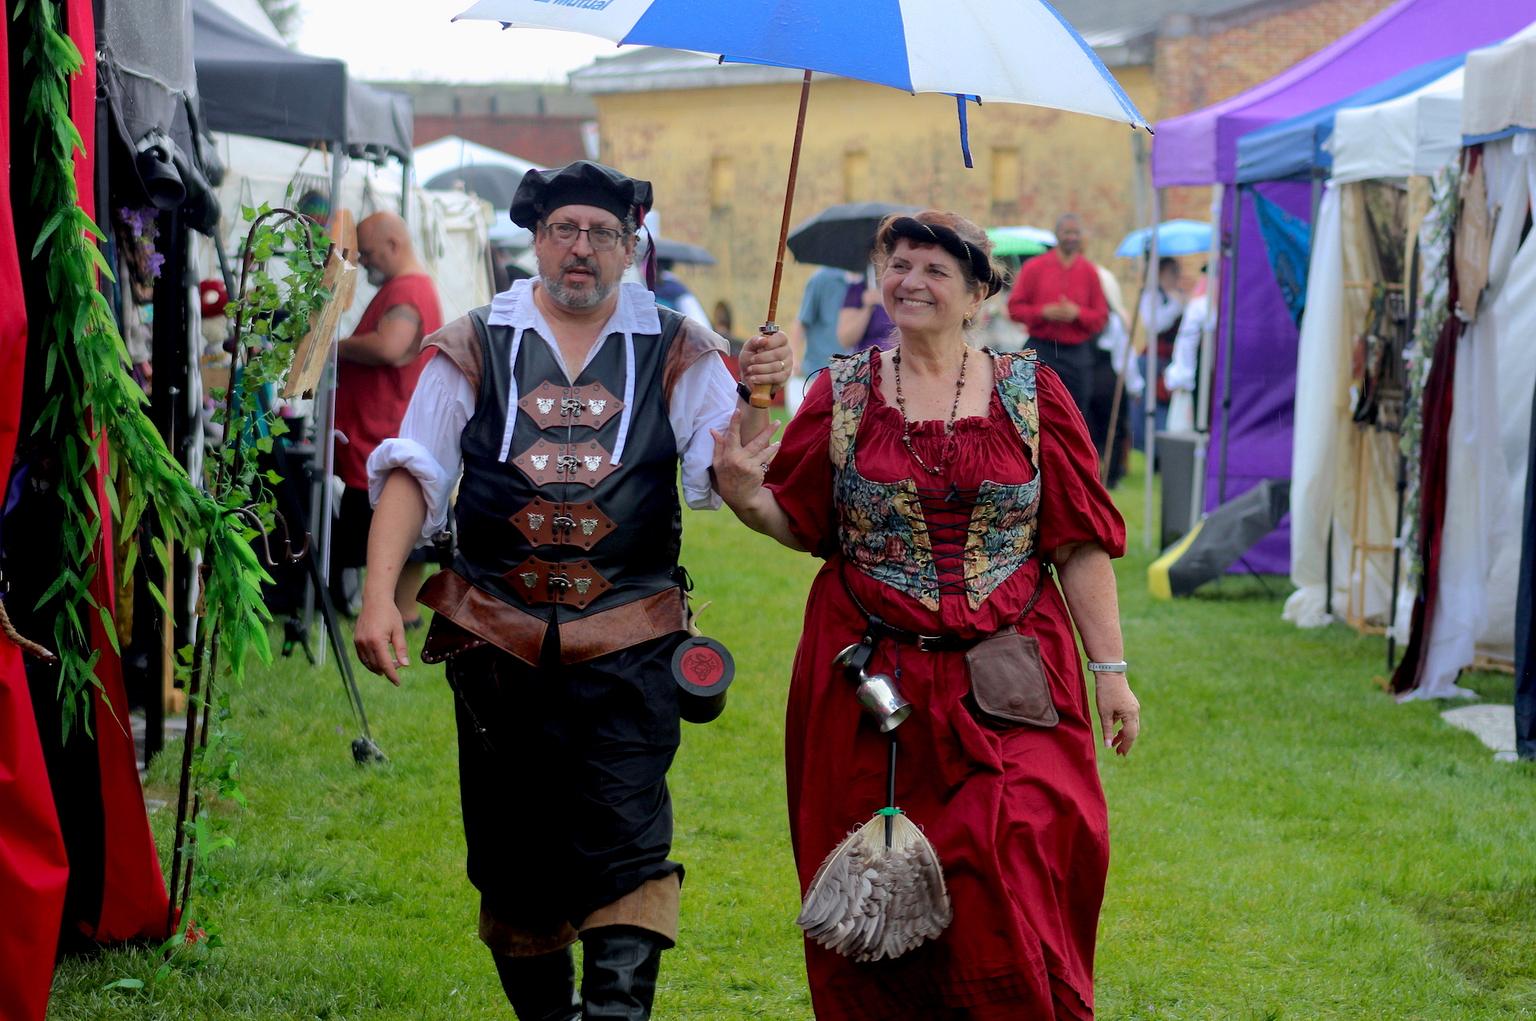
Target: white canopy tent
449	229
1409	137
452	153
1490	428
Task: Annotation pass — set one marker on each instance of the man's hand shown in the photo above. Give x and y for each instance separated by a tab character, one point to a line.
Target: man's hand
767	359
871	297
1062	310
379	638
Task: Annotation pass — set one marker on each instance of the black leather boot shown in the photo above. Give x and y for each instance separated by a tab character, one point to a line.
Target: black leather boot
540	988
619	966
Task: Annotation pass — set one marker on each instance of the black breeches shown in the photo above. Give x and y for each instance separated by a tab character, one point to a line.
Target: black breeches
562	776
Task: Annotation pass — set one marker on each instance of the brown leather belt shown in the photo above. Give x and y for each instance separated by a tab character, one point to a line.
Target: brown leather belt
468	617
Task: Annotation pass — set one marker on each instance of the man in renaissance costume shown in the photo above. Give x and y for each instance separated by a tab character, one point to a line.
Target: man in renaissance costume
568	404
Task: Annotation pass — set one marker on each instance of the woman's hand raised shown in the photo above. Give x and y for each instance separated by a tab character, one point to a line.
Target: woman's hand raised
739	467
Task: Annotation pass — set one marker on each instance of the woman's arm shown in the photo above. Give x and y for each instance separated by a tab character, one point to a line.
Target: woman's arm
852	323
738	471
1088	582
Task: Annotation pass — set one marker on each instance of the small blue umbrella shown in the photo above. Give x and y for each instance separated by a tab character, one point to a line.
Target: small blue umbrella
1174	237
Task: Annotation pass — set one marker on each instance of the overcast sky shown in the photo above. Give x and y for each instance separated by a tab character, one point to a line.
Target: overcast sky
414	39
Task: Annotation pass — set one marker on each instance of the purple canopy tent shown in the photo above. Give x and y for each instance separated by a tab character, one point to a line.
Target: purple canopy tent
1255	367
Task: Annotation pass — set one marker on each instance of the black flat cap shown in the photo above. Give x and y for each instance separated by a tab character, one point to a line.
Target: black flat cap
582	183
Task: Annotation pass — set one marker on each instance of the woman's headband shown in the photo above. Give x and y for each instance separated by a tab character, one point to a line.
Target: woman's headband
937	234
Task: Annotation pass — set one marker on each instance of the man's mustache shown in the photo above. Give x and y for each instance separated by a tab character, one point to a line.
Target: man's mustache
575	262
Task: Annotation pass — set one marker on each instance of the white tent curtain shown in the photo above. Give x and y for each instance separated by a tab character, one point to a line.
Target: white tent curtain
1489	434
1342	476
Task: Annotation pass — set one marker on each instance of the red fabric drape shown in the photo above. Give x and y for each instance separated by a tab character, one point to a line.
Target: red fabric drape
134	899
1434	467
33	869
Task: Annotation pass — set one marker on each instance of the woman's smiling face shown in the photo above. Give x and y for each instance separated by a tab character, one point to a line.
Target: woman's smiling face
924	289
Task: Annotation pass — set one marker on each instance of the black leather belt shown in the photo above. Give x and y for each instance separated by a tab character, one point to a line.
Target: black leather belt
877	628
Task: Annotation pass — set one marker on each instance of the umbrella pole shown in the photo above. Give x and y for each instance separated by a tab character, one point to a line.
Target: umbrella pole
762	394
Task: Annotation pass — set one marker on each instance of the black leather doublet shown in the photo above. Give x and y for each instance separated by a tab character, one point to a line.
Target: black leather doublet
558	524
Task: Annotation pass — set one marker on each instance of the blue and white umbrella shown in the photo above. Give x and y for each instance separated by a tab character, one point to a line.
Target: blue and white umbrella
1174	237
1007	51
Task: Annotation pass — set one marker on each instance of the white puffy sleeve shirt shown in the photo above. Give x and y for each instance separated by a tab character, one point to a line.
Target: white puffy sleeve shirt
703	398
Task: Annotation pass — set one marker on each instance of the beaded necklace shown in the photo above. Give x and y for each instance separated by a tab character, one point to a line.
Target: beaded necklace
948	447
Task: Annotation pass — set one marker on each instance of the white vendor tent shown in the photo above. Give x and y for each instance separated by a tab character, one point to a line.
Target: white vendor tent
1490	427
449	229
1340	480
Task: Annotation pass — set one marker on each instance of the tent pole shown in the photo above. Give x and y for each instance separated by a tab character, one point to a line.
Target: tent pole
1228	328
405	186
1149	389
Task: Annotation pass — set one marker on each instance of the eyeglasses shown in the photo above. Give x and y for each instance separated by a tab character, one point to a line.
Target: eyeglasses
602	239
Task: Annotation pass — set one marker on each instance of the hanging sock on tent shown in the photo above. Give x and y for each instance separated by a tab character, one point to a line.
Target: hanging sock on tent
1288	242
965	130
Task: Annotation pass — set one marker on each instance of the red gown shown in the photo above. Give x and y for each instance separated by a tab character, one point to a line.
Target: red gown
1017	816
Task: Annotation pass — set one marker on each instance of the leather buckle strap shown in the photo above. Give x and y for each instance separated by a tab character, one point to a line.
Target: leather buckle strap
589	407
565	584
547	463
563	524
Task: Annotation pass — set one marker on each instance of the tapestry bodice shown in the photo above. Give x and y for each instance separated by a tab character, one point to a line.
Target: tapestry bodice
882	527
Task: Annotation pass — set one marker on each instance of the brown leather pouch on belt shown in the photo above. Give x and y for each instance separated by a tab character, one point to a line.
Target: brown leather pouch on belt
445	639
1008	681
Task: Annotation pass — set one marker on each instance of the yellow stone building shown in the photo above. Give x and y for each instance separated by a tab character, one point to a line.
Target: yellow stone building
716	138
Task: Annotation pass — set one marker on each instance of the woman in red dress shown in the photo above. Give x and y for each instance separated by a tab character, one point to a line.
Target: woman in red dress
942	484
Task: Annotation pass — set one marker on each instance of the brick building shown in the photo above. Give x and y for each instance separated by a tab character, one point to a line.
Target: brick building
715	138
544	124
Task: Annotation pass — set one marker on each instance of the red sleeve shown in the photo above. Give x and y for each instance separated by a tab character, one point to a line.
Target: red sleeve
1074	505
1022	306
800	476
1094	314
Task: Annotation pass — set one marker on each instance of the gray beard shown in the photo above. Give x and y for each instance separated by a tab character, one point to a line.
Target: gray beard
575	300
377	278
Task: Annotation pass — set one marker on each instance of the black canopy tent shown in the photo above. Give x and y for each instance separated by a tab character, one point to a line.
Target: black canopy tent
251	85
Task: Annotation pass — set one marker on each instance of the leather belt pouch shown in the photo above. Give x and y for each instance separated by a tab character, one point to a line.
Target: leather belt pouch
1008	681
445	639
480	615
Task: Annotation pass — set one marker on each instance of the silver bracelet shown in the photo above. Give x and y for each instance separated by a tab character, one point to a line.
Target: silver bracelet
1107	668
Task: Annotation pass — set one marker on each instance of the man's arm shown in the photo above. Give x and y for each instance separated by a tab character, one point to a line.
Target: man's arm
1022	304
1095	312
380	633
397	341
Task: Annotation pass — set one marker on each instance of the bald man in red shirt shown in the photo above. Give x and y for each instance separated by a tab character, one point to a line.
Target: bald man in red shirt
376	374
1059	300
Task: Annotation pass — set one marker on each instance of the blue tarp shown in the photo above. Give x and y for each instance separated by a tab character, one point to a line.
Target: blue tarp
1296	147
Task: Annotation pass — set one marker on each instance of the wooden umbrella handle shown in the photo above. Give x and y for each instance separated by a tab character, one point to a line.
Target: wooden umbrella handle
762	393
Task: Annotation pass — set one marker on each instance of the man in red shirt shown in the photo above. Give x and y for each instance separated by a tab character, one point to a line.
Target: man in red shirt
376	374
1059	300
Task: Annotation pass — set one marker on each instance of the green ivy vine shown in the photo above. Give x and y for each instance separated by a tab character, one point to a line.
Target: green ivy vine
91	395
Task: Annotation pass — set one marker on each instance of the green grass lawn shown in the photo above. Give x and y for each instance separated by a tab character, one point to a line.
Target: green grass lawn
1287	842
